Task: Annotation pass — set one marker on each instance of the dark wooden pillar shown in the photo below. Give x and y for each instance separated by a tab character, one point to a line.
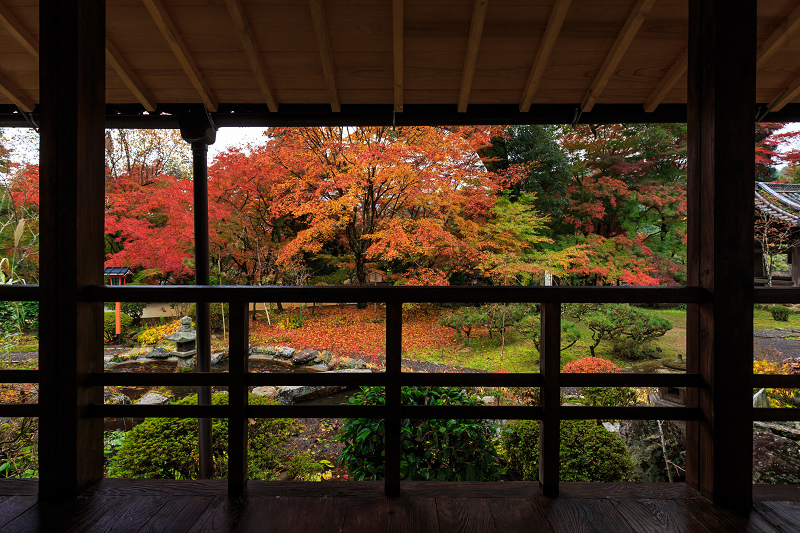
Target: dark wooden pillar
795	251
721	110
197	130
72	96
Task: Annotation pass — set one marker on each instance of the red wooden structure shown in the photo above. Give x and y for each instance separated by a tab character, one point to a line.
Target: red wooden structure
118	276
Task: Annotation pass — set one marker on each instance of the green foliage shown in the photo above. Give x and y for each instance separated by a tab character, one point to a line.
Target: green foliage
463	320
444	450
608	396
110	326
780	313
19	456
629	329
588	452
19	317
502	317
531	327
167	448
220	313
132	309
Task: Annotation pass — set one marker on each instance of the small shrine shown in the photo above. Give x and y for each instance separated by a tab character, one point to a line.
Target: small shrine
185	339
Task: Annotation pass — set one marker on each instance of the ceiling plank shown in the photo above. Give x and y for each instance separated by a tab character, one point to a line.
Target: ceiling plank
624	39
669	80
251	51
20	100
473	45
181	52
779	36
129	78
18	31
324	43
398	38
557	17
788	94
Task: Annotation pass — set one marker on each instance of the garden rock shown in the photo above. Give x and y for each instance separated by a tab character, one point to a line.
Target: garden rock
760	399
352	362
217	358
304	356
153	398
489	400
326	356
267	391
115	398
290	394
643	440
776	459
157	353
782	429
184	363
285	352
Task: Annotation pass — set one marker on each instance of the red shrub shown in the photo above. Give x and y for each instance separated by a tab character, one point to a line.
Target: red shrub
590	365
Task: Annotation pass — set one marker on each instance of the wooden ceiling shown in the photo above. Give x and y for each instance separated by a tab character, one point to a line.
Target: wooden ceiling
398	53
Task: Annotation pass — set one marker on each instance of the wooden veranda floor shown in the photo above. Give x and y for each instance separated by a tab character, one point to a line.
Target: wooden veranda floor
138	506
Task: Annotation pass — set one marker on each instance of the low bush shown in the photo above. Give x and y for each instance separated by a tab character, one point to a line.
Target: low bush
19	456
220	315
110	326
780	313
167	448
156	333
608	396
588	452
444	450
590	365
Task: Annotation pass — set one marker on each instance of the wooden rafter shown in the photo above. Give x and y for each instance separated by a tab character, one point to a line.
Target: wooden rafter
557	17
624	39
326	56
18	31
181	52
398	38
128	77
20	100
251	51
788	94
779	36
474	43
669	80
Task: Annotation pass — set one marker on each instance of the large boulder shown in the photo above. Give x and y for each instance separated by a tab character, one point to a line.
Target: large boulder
157	353
776	459
643	440
153	398
304	357
290	394
266	391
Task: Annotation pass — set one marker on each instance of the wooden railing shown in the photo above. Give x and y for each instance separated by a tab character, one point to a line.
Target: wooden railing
550	379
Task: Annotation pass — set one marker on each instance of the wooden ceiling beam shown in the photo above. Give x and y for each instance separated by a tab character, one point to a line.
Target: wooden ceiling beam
778	37
788	94
181	52
557	16
326	56
624	39
18	31
20	100
250	46
129	78
473	45
398	38
676	71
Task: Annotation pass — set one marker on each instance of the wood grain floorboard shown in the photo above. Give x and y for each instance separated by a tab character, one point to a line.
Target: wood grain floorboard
13	506
177	515
465	515
221	516
656	516
569	515
724	521
627	490
390	515
127	515
518	515
77	516
783	516
280	514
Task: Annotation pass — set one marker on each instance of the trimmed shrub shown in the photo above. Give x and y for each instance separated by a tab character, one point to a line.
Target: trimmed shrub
600	396
443	450
217	310
588	452
167	448
780	313
590	365
110	326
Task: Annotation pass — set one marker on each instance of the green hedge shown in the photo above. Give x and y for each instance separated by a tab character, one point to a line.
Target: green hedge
110	326
588	452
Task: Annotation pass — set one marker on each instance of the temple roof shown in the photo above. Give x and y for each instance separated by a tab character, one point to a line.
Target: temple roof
779	200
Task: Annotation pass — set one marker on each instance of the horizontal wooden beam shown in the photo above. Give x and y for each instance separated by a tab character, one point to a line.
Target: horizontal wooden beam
629	29
776	295
157	379
786	414
781	34
776	381
630	413
325	54
543	53
19	376
221	293
631	380
473	45
252	52
19	293
18	31
129	78
8	410
675	72
167	28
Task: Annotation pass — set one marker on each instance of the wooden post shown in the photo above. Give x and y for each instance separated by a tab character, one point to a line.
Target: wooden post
394	334
550	427
721	111
795	251
237	398
72	174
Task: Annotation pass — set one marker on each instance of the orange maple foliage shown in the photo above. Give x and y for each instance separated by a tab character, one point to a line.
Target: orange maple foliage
352	331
